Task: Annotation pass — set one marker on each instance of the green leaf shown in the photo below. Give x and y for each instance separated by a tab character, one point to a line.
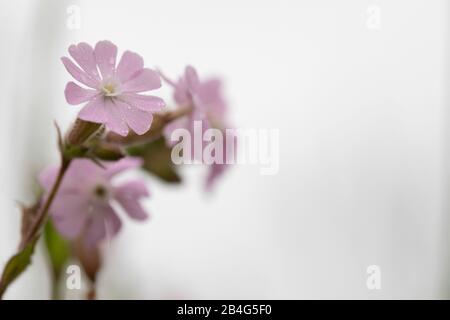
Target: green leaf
157	159
57	247
16	266
28	216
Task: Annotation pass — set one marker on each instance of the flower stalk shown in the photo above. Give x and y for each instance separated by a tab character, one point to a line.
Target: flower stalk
43	213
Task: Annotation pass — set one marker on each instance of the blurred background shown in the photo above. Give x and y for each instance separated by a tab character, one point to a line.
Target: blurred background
358	90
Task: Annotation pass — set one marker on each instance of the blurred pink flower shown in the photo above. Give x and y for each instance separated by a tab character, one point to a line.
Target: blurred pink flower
208	106
82	207
113	98
204	97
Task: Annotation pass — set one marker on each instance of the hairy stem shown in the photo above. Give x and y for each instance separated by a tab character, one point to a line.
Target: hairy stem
43	213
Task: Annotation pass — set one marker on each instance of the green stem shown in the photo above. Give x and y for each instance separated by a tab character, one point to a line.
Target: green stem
55	287
43	213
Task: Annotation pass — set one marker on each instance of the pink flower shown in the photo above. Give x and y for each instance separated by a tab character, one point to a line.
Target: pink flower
83	205
204	97
208	106
113	97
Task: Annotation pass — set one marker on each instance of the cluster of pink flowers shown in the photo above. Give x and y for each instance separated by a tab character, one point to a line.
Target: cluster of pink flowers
114	96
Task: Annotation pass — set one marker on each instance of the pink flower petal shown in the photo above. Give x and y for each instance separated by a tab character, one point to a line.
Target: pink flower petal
181	95
83	54
104	222
81	173
115	119
73	181
76	94
113	225
121	165
128	196
129	65
166	79
144	80
105	56
143	102
192	80
79	74
69	214
215	171
138	120
95	111
210	98
182	123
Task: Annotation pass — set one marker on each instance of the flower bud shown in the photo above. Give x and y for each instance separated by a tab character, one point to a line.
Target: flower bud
81	131
107	151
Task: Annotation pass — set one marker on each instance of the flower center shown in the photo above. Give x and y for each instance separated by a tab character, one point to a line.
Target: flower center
101	192
110	88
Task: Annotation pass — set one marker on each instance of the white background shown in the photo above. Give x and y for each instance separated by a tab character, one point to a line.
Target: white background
363	118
